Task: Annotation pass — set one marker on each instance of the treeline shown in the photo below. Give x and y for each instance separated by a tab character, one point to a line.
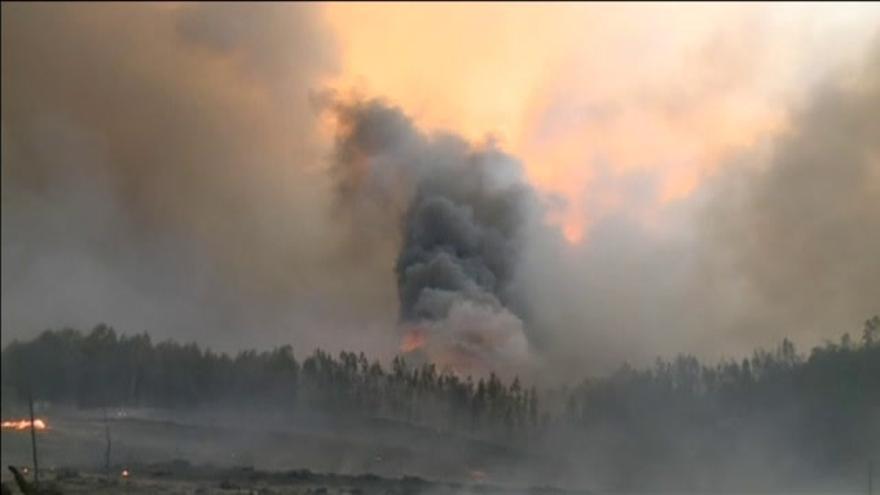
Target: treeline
777	410
776	415
825	404
103	368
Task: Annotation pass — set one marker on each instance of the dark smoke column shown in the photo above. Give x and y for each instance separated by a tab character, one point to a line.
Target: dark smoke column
462	209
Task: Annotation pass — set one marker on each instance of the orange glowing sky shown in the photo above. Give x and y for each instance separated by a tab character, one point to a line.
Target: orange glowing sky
579	91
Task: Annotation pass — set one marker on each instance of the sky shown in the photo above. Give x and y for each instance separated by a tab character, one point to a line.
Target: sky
702	178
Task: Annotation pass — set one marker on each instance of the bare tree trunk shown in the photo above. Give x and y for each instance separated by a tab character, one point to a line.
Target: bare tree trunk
109	444
23	485
870	477
33	437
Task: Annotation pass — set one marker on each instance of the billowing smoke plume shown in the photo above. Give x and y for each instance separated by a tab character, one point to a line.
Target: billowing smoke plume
462	210
163	170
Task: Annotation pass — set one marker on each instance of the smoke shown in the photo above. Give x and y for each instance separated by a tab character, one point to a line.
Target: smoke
800	232
461	210
780	242
162	172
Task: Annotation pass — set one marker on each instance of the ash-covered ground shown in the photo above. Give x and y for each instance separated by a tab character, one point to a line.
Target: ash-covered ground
224	452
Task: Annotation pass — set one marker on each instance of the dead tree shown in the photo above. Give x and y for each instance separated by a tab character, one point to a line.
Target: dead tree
109	444
26	487
33	437
870	477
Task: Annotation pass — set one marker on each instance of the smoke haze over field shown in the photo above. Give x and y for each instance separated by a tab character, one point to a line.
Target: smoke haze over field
168	168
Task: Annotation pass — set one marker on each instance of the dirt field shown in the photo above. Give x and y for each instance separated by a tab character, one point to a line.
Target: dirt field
181	478
261	454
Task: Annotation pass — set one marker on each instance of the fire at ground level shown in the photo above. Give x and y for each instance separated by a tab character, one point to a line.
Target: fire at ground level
23	424
155	451
175	453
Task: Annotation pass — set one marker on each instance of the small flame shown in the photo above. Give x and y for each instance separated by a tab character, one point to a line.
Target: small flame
23	424
478	475
125	473
412	340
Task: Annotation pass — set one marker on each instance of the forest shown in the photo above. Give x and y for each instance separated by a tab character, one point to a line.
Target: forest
105	369
822	406
807	417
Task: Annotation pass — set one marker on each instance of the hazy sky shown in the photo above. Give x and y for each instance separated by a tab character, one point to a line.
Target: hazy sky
708	176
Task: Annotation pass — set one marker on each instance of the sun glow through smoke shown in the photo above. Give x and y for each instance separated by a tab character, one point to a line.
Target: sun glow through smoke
557	86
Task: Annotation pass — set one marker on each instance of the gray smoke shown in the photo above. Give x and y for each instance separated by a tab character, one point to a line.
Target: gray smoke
162	172
461	210
800	232
781	243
